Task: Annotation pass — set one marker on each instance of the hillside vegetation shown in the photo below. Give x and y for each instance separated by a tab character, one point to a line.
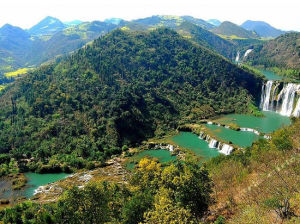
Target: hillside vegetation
51	38
263	29
230	29
284	51
207	39
261	183
120	90
257	185
281	55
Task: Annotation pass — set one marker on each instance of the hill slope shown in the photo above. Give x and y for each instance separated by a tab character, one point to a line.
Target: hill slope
172	21
263	29
68	40
47	26
51	38
15	44
283	52
20	49
200	22
207	39
123	88
190	28
231	29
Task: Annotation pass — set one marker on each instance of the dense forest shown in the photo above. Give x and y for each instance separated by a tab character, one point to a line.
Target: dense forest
179	193
123	88
281	55
259	184
90	114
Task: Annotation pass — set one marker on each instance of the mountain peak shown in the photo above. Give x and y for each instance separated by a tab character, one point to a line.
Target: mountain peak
262	28
7	26
9	31
230	29
48	25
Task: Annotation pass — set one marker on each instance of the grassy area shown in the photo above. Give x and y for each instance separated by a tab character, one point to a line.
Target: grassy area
231	37
256	182
21	71
2	87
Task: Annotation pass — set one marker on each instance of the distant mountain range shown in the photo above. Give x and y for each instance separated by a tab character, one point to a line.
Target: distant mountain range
50	37
47	26
230	29
172	21
263	29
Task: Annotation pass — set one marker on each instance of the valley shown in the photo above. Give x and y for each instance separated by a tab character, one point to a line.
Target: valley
169	118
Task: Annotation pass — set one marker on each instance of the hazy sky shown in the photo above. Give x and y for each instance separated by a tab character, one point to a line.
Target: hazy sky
283	14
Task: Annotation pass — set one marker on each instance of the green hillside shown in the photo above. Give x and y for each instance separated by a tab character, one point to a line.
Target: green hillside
189	28
282	53
119	90
207	39
20	49
234	31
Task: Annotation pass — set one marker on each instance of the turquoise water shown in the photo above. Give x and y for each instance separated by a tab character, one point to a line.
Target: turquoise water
267	124
198	146
162	155
240	138
271	75
35	180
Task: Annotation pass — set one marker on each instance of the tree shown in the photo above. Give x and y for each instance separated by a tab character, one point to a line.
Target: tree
88	205
147	175
189	185
167	212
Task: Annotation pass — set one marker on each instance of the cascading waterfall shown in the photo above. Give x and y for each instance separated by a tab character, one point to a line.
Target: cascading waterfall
274	96
266	93
247	52
284	102
288	99
226	149
237	59
213	143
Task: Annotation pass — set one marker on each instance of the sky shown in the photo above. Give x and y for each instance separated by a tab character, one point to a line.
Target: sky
283	14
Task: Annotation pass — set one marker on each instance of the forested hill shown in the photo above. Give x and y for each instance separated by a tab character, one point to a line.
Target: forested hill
284	52
230	29
207	39
119	90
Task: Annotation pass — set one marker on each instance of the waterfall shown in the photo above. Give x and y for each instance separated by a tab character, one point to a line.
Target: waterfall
288	99
226	149
274	96
247	52
237	59
262	96
265	97
296	112
285	100
250	130
213	143
201	135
